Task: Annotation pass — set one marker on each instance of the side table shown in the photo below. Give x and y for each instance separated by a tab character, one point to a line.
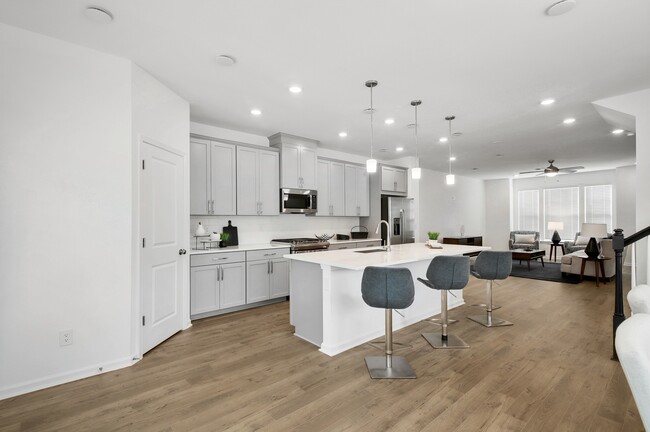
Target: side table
554	247
599	263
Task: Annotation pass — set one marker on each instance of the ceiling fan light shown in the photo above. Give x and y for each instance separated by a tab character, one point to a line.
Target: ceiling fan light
550	174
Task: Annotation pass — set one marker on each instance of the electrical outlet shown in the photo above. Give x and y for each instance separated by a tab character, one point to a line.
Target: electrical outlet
65	337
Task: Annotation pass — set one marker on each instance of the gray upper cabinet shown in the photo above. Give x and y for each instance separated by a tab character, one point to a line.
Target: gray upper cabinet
331	188
212	178
258	189
357	193
297	161
393	180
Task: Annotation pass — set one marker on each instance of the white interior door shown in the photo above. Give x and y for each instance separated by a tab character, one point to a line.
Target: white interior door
161	262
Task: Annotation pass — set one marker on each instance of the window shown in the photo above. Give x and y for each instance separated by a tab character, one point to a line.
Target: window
598	205
528	210
562	205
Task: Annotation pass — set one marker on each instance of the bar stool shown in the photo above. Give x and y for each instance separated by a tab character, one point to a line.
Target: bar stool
446	273
491	265
388	288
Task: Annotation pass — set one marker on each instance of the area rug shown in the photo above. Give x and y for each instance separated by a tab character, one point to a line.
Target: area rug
550	272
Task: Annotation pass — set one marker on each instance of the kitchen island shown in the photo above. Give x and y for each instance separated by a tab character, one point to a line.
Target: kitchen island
326	307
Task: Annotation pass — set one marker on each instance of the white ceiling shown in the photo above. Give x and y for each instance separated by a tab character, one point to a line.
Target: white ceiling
488	63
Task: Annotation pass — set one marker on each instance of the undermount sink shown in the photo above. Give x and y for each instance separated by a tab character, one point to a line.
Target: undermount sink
370	250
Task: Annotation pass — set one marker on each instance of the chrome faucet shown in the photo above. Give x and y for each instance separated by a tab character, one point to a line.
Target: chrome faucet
387	233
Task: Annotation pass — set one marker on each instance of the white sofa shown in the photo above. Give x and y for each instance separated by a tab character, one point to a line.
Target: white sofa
571	263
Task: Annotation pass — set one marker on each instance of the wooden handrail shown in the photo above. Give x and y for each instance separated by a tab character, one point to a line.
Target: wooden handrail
618	243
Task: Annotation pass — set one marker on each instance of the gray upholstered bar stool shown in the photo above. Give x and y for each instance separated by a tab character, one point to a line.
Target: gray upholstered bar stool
388	288
491	265
446	273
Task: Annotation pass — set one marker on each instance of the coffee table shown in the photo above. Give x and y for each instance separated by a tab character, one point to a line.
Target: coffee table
525	255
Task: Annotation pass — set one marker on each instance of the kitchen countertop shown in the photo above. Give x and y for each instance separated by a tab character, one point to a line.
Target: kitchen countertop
400	254
260	246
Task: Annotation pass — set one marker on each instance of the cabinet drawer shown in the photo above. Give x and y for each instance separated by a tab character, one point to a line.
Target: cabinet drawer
266	254
342	246
217	258
372	243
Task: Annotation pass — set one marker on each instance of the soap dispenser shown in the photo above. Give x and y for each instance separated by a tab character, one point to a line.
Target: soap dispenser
199	230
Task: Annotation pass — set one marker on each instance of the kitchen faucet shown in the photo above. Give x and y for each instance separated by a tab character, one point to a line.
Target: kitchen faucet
387	233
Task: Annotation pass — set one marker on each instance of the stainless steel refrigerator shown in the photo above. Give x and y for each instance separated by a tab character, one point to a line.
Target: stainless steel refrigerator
400	214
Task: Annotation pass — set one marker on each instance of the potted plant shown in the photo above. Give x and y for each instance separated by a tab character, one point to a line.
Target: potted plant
224	239
433	238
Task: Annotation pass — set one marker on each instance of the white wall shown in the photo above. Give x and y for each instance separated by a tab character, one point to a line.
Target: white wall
497	213
161	117
446	208
65	226
626	199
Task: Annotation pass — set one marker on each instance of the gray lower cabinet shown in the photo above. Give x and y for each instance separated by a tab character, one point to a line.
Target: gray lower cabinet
353	245
216	286
267	275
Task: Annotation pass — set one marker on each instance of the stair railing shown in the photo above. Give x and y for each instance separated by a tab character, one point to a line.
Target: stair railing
619	242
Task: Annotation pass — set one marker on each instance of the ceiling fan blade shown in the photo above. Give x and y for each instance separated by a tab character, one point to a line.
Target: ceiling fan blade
532	172
573	168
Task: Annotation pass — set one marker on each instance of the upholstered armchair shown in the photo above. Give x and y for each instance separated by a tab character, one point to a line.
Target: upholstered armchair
524	240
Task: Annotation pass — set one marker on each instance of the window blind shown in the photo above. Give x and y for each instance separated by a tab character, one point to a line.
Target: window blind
528	210
562	205
598	205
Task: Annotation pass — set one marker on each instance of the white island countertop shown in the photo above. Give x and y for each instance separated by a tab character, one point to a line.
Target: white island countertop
356	259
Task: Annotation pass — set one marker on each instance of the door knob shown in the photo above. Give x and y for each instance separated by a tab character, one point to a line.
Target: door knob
182	251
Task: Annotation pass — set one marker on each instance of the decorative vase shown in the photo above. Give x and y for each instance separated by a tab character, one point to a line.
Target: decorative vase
200	230
431	242
592	250
556	238
222	244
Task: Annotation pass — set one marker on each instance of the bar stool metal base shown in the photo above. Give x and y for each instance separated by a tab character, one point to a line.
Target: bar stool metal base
488	321
400	368
452	342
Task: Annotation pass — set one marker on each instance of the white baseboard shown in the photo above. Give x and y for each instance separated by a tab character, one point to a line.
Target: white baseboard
65	377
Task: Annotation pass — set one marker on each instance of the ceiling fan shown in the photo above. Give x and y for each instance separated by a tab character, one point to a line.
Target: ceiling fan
552	170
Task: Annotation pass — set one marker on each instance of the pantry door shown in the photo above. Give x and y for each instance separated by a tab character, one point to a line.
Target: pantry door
162	255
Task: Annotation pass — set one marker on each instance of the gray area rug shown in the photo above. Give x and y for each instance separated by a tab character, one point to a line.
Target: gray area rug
550	272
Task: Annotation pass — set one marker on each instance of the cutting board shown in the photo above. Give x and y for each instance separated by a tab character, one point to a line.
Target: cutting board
233	240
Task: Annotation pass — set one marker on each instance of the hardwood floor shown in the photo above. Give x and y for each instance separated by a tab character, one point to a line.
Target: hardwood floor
550	371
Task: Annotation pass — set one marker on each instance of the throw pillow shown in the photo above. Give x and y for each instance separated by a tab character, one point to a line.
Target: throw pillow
524	238
582	241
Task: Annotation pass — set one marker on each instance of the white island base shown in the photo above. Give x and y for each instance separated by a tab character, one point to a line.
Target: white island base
326	304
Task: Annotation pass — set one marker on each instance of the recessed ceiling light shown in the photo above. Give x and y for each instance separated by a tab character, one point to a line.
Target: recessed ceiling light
569	120
547	102
343	134
98	15
225	60
453	158
399	149
630	134
389	121
256	112
295	89
443	139
561	7
617	131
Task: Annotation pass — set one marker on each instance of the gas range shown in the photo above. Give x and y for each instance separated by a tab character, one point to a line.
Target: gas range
303	244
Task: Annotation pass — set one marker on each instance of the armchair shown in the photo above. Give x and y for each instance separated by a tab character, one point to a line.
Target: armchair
524	239
579	243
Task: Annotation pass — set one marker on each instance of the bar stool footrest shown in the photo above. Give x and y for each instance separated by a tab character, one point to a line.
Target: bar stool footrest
452	342
401	369
494	322
381	345
483	305
438	321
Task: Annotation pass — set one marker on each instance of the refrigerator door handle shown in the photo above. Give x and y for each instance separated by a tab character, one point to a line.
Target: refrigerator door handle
401	224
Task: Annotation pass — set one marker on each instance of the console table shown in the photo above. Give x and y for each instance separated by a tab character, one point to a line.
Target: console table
465	241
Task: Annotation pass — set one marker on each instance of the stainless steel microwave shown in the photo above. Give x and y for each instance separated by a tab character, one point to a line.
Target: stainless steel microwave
301	201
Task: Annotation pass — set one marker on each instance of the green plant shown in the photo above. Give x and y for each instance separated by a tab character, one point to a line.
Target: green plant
433	235
225	236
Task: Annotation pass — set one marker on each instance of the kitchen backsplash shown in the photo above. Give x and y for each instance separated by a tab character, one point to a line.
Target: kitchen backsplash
262	229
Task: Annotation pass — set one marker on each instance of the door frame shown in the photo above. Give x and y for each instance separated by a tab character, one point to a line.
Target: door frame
137	292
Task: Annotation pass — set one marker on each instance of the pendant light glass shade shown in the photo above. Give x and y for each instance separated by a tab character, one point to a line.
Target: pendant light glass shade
416	172
450	178
371	164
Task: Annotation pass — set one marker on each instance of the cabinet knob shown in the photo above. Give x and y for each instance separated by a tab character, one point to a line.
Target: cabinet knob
182	251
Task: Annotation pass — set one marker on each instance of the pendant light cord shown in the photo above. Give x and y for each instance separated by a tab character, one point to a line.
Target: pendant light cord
372	122
417	155
449	146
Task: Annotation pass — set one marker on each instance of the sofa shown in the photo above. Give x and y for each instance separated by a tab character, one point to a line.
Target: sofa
524	240
571	263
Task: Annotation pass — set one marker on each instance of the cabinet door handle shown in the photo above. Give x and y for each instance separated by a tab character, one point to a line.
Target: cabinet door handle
344	247
219	259
268	267
261	208
221	269
271	254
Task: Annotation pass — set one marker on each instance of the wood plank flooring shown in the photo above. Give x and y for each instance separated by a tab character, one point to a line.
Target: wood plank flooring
550	371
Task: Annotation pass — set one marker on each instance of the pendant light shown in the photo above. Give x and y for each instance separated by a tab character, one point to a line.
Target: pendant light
450	178
416	172
371	164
